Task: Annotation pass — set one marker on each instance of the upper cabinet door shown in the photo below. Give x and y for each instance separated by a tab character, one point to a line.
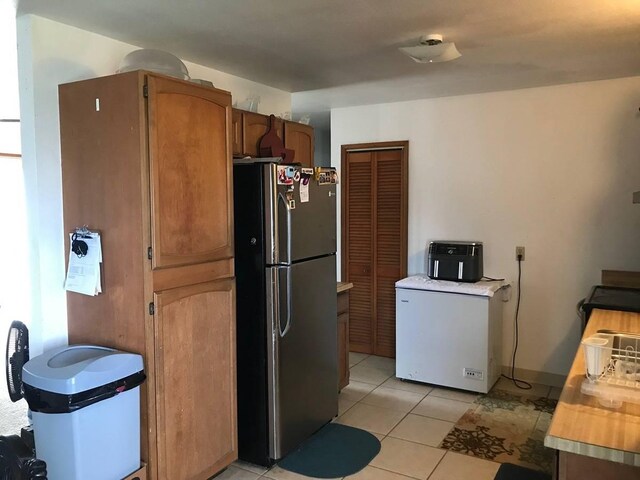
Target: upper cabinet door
190	173
236	133
299	137
254	126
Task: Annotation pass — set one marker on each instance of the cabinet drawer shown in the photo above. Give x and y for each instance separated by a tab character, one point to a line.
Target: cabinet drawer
343	302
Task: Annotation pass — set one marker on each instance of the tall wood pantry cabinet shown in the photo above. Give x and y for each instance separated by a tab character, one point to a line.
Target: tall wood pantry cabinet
146	160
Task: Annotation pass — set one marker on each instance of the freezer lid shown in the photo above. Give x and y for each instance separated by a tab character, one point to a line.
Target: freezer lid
300	212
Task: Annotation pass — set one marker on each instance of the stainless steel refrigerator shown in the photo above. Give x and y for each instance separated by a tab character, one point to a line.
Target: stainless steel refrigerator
285	244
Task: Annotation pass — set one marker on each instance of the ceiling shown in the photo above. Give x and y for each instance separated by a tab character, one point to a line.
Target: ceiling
343	53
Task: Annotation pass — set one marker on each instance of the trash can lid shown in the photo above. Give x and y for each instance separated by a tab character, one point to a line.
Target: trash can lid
77	368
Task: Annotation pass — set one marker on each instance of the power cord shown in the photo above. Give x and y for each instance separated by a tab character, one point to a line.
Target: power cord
517	382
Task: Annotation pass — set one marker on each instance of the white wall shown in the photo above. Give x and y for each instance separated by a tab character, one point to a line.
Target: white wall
322	154
51	53
549	168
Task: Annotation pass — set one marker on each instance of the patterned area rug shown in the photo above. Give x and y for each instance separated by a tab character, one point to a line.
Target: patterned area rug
505	427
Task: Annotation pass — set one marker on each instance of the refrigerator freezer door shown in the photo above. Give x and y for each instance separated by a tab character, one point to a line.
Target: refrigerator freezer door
302	363
297	230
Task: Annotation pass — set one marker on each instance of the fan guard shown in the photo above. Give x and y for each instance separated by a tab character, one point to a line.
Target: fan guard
17	356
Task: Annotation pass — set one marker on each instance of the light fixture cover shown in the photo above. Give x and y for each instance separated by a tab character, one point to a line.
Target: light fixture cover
440	52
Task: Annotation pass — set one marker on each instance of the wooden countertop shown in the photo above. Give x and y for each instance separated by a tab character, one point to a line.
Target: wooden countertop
344	286
580	424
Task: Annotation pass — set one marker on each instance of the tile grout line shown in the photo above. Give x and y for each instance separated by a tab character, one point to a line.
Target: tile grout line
418	443
246	469
391	471
360	361
437	464
369	383
441	419
388	435
395	425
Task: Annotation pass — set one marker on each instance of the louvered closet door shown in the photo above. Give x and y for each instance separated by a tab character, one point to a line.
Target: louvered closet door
359	250
388	261
375	245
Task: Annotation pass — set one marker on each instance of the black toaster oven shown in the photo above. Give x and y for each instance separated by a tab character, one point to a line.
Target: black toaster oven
455	261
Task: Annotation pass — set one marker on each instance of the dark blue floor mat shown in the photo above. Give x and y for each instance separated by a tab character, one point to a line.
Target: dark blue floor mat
508	471
333	451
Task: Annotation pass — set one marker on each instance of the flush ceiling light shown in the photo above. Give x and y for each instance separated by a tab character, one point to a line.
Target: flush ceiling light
431	49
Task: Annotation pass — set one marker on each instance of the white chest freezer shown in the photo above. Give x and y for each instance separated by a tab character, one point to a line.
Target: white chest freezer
449	334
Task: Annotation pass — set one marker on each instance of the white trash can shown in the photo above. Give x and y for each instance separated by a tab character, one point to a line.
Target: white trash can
85	404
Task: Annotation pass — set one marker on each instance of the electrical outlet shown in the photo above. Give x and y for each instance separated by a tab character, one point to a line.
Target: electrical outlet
520	253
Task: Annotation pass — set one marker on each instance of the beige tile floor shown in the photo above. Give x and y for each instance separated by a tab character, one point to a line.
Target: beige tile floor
410	420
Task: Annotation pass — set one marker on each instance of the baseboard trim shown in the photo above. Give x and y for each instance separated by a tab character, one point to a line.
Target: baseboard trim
534	376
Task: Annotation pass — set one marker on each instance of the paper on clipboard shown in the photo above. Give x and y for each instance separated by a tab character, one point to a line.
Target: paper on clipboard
83	272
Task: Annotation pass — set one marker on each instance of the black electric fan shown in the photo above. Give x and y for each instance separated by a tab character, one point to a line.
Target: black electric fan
17	459
17	356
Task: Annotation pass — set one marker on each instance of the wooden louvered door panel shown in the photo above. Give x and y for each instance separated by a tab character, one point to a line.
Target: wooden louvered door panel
359	250
374	243
390	266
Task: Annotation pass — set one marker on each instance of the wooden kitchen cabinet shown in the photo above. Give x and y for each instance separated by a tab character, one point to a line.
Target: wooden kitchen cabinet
248	128
254	126
146	160
236	133
572	466
300	138
206	383
189	174
343	334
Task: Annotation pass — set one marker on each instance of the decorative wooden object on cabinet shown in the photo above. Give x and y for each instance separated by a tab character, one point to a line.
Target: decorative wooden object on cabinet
300	137
146	160
374	240
343	334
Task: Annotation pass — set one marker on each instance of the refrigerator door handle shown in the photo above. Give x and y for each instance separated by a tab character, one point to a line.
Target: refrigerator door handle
287	275
273	393
282	198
